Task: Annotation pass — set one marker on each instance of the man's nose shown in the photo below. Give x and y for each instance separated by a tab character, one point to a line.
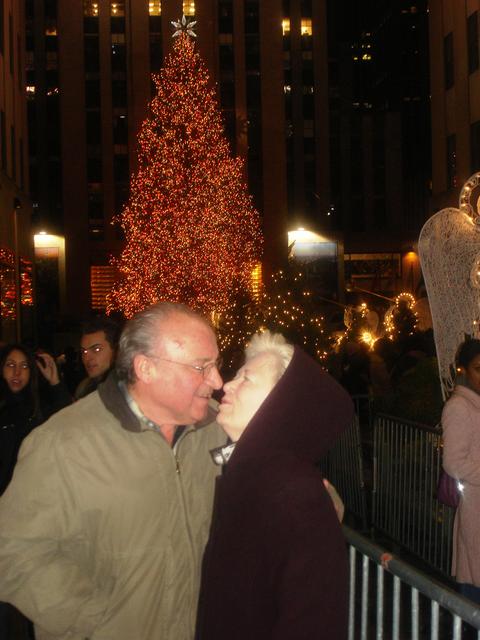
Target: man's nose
214	379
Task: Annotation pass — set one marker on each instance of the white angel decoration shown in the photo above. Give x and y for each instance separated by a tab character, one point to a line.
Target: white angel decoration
449	250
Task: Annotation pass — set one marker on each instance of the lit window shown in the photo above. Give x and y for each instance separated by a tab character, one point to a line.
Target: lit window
155	7
102	280
306	27
90	8
30	90
51	31
286	26
256	281
188	8
287	88
117	9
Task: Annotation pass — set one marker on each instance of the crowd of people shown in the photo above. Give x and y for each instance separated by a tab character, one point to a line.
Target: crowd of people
134	506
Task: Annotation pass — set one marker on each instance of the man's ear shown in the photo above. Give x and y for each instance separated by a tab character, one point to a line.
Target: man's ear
143	368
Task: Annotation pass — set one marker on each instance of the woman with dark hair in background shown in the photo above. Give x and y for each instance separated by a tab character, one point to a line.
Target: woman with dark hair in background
461	460
22	408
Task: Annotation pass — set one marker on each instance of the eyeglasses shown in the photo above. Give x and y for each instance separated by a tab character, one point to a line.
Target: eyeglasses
203	370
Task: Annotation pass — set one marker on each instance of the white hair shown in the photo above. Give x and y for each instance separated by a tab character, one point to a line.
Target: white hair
273	344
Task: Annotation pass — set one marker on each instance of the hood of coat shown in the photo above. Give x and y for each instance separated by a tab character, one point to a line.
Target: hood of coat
304	414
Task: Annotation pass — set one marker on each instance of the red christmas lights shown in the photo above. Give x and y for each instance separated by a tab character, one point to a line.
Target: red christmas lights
192	233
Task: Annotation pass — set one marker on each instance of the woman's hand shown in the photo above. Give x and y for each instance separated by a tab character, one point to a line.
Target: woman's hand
47	367
337	501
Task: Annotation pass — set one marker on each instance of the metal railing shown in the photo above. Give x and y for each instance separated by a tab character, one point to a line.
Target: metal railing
343	466
391	599
407	463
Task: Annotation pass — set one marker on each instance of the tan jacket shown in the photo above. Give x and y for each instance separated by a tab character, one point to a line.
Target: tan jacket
103	526
461	459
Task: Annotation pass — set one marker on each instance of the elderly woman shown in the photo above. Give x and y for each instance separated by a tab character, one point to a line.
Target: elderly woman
275	566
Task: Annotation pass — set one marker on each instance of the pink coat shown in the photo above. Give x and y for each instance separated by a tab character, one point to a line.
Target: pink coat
461	459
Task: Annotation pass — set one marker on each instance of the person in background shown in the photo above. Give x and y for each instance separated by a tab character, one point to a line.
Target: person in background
98	346
22	408
461	460
276	564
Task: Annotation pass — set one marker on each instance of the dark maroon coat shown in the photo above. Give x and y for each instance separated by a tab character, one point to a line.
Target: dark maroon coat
275	567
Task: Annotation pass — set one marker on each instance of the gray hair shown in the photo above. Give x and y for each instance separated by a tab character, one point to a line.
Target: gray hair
141	332
273	344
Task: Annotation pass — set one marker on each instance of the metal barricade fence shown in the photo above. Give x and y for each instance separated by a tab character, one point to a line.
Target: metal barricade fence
407	462
343	466
391	599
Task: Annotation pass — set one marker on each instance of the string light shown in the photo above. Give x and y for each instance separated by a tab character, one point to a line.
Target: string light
401	317
192	233
287	306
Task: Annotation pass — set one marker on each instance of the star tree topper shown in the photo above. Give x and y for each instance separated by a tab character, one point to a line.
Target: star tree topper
184	26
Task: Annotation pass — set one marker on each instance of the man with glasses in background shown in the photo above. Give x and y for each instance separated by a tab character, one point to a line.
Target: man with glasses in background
103	526
98	345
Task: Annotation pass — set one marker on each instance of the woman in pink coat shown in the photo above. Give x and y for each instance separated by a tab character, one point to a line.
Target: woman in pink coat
461	459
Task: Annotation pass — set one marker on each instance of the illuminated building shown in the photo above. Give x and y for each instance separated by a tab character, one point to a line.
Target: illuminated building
16	242
455	82
283	71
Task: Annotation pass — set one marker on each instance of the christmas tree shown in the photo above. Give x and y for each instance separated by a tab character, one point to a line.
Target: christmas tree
192	234
288	306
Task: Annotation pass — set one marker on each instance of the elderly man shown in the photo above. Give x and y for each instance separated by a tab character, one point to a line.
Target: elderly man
98	345
104	524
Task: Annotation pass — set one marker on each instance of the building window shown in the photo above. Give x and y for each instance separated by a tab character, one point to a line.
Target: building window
102	280
90	8
95	205
10	41
155	7
120	129
286	26
3	140
475	146
13	148
92	54
449	71
451	161
94	127
252	17
22	161
117	9
188	8
225	16
472	41
119	90
306	26
2	26
120	168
